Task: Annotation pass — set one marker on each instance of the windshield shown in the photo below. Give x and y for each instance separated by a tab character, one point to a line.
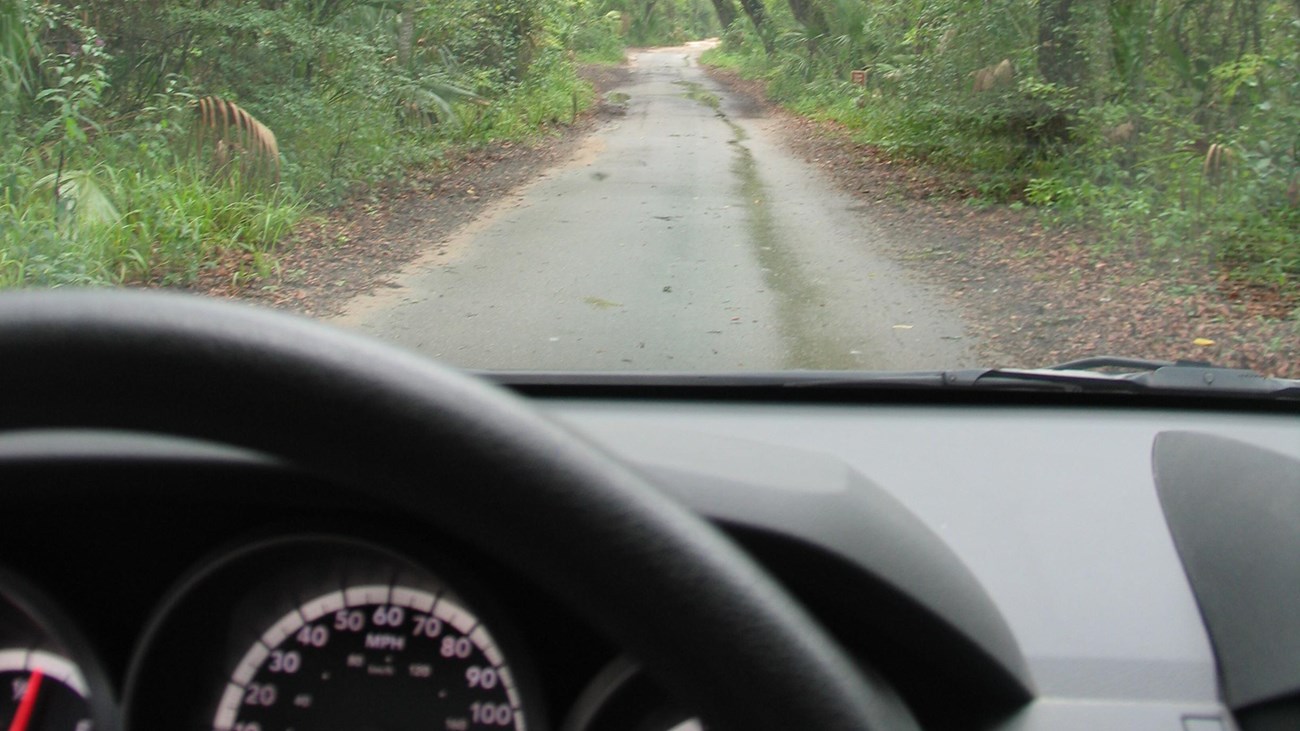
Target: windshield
677	185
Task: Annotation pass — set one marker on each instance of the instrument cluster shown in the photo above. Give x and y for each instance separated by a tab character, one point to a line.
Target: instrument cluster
310	630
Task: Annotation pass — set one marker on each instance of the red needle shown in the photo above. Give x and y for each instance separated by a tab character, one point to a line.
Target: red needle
28	704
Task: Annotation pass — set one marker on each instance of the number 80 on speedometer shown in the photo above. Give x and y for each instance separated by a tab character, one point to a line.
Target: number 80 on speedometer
372	656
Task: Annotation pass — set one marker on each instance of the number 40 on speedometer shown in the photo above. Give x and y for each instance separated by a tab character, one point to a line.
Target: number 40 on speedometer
372	656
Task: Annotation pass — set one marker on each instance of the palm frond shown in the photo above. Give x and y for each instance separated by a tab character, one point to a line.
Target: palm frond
233	132
434	96
79	197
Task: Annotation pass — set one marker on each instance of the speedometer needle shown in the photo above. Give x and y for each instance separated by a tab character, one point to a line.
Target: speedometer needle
28	704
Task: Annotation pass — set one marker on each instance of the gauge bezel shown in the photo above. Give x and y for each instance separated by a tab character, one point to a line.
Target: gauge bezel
621	696
249	593
54	632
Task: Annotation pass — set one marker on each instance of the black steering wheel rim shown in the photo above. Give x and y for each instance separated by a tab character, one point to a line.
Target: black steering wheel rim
658	579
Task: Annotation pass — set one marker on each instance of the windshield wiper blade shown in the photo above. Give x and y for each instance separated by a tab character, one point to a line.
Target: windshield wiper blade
708	379
1154	376
1113	361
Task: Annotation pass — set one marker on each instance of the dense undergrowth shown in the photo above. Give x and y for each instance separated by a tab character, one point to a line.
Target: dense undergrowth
1170	128
110	172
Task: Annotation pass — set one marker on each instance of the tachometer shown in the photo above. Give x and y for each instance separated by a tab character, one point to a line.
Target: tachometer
40	690
50	680
372	656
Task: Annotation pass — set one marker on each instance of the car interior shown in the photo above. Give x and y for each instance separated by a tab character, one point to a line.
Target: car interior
240	519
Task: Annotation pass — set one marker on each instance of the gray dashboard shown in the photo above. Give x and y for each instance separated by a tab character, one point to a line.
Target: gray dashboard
1005	568
1054	514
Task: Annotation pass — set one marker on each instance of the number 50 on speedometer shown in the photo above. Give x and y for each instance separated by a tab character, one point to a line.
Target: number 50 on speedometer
372	657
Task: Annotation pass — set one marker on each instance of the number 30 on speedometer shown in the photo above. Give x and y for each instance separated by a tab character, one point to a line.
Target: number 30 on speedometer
374	656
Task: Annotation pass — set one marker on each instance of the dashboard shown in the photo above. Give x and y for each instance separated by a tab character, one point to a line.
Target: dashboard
1062	602
1010	563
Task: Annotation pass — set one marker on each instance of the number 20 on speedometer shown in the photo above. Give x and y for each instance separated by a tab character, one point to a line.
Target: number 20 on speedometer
376	657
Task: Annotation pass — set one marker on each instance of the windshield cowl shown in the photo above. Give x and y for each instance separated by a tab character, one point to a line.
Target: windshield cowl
1200	380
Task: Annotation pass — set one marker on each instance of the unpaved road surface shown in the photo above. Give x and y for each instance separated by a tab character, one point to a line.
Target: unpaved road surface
680	236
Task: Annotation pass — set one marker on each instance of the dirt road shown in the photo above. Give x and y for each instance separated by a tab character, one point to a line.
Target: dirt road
680	236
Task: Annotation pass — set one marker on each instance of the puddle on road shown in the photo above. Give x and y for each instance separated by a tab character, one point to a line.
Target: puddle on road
695	91
797	299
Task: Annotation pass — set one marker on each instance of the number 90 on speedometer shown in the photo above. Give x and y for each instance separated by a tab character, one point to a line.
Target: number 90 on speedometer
372	657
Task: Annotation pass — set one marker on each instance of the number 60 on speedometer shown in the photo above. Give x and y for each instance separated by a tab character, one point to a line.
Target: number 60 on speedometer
372	656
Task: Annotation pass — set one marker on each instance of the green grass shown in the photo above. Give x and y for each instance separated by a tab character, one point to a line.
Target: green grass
166	225
610	56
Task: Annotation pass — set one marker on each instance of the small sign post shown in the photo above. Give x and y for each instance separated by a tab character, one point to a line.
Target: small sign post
858	77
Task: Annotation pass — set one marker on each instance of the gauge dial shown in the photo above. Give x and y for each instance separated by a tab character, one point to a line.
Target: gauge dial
324	632
372	656
50	679
41	691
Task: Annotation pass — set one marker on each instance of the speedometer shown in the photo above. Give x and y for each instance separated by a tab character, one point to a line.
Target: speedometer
372	656
332	633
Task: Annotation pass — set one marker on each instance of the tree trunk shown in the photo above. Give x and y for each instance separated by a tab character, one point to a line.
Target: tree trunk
1059	57
726	12
758	16
1131	31
810	16
406	36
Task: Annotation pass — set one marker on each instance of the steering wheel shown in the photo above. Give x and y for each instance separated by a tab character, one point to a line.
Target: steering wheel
400	430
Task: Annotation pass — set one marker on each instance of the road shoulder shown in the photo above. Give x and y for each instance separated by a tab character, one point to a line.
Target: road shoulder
357	248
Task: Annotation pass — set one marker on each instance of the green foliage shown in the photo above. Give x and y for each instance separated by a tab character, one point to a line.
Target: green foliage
658	22
550	96
111	225
595	36
106	181
17	49
1123	141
